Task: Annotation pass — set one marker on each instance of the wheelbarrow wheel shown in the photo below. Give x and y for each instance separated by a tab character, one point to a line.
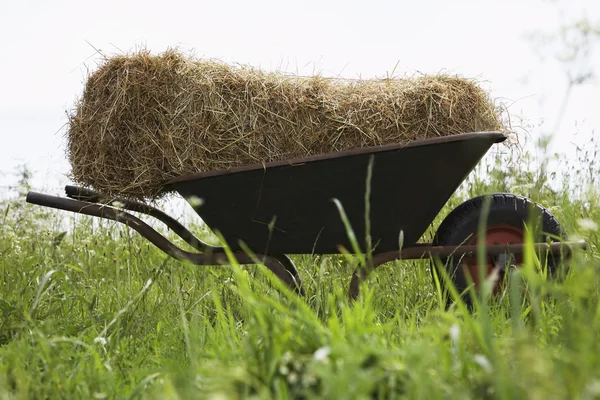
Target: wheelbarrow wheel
508	217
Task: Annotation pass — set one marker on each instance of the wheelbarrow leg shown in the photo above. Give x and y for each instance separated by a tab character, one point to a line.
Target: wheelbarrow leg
360	274
422	250
419	250
283	267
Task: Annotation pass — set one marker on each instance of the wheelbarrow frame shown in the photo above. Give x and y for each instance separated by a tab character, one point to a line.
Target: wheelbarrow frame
88	202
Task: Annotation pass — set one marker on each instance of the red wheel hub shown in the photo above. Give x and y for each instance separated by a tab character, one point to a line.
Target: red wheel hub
495	234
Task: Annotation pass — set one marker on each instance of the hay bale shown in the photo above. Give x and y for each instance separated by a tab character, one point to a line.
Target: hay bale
145	119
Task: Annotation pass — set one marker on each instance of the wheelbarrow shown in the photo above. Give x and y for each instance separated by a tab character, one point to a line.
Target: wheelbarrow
296	207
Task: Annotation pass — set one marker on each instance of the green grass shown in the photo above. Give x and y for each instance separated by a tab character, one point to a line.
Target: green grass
100	313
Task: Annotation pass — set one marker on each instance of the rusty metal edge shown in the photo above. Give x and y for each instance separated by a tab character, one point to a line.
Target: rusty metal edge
497	136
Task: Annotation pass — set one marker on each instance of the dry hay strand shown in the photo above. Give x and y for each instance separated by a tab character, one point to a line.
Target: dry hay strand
145	119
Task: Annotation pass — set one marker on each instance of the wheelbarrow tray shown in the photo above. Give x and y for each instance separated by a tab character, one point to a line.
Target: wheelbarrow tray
287	207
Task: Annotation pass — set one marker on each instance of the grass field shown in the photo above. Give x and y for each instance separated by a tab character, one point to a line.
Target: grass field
98	313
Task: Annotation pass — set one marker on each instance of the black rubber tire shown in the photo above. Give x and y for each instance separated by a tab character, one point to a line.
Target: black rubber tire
509	209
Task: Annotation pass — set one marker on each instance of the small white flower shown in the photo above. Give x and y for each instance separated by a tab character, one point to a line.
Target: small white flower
100	340
117	204
483	362
195	201
322	354
587	224
287	357
292	378
593	388
454	333
309	379
454	336
100	395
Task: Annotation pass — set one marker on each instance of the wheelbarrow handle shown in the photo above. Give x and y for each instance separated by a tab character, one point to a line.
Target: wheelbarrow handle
280	265
88	195
110	213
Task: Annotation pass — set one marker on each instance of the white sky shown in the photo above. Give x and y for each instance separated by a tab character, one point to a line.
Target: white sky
45	53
